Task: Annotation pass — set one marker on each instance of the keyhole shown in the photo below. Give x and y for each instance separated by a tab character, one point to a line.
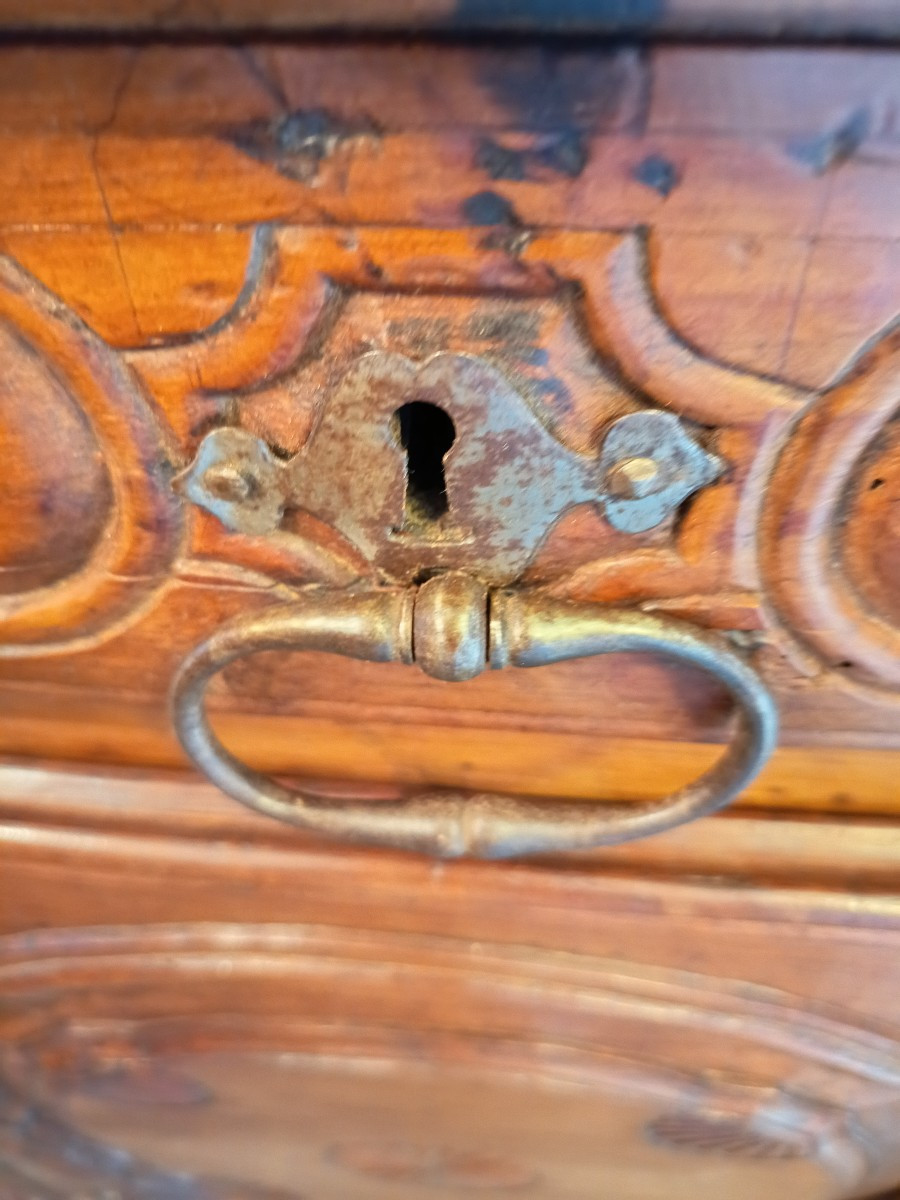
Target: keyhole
426	433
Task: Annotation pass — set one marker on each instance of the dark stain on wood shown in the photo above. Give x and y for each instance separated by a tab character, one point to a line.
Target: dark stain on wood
548	89
297	143
657	172
563	16
501	162
490	208
563	153
827	150
566	153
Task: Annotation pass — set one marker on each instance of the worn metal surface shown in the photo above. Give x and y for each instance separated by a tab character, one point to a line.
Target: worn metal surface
237	478
447	481
450	627
526	629
505	480
649	466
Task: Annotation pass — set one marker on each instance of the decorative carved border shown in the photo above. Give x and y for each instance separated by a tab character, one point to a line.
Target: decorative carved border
828	1049
755	551
135	553
292	303
802	526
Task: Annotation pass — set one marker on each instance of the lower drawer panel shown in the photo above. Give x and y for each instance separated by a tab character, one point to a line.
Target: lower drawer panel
196	1005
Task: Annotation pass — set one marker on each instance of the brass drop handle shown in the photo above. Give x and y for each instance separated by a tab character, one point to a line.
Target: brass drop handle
453	627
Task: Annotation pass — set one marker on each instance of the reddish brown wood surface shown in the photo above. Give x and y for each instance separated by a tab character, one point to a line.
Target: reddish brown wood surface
201	1004
813	19
156	191
222	985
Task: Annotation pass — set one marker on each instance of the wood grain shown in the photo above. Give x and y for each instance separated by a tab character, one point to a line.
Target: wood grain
758	261
213	962
40	802
476	750
201	1004
811	19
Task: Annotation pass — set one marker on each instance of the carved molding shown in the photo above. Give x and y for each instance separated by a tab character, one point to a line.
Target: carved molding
571	324
751	547
339	995
131	552
777	546
814	523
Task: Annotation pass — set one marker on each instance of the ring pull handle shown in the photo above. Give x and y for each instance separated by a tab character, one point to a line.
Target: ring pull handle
453	627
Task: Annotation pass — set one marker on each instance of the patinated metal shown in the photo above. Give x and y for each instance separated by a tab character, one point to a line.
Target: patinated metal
450	627
526	629
650	466
237	478
508	479
446	481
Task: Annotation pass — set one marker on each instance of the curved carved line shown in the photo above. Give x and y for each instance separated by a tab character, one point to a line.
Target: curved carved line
627	322
245	307
799	532
145	528
664	365
284	298
295	276
764	1015
292	295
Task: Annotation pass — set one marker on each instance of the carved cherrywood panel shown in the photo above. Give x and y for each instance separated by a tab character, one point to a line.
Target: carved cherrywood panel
872	19
214	135
688	1031
708	574
364	1059
223	987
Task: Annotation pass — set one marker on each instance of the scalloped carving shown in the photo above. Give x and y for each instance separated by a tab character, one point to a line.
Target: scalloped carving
576	329
700	1133
830	537
93	525
571	325
796	541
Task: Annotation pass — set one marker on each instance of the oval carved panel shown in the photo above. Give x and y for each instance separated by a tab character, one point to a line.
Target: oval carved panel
284	1061
830	533
871	526
89	523
57	493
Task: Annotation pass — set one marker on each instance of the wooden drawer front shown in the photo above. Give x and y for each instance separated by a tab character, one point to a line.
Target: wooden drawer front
201	238
271	1019
203	241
